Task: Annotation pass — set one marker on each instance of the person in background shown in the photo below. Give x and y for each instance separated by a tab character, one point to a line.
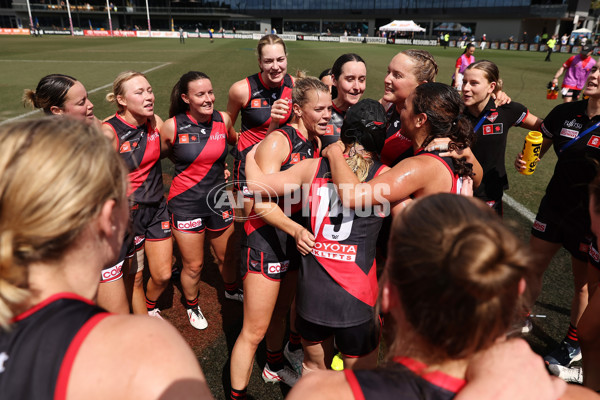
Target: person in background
550	47
577	69
465	59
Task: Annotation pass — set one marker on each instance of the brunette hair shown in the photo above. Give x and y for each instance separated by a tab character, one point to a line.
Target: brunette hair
178	106
51	91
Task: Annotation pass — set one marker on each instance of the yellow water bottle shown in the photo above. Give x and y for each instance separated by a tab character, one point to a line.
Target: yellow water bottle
531	151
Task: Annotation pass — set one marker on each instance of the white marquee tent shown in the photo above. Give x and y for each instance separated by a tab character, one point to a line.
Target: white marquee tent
401	26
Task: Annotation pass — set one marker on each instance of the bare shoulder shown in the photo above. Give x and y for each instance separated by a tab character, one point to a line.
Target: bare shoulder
136	357
322	385
239	91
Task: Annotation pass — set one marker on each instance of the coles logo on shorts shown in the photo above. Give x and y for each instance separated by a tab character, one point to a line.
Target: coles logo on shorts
112	273
276	268
539	226
594	141
594	254
191	224
569	133
138	239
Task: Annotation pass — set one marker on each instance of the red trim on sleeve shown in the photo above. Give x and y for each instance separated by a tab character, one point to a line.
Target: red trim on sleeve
354	385
60	392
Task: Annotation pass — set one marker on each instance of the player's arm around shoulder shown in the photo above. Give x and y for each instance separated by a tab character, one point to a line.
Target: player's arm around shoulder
321	385
128	357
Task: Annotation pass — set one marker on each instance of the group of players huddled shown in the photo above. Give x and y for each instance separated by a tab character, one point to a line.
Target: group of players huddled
320	180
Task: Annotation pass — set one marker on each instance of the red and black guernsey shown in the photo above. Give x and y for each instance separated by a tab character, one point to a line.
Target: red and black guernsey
258	234
139	147
199	151
489	148
337	284
397	147
37	353
448	163
402	378
334	127
256	117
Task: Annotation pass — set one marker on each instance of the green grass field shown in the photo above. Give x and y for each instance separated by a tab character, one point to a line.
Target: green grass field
96	62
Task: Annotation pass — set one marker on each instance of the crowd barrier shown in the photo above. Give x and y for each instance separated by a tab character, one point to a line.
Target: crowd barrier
496	45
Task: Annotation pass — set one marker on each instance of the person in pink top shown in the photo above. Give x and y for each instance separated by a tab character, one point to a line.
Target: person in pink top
462	63
577	69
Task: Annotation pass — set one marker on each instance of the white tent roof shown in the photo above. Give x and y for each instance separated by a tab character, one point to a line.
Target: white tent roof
581	30
401	26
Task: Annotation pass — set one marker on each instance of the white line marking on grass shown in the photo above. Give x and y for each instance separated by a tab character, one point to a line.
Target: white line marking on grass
520	208
27	114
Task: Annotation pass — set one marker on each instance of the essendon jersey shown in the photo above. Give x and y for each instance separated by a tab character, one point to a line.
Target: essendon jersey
198	152
260	235
449	164
37	353
576	141
397	147
334	127
404	376
256	118
337	284
139	146
489	148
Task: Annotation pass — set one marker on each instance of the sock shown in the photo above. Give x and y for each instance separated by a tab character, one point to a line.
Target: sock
571	337
238	394
150	304
191	303
275	360
231	288
295	341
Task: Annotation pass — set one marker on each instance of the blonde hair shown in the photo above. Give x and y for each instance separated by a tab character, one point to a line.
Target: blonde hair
55	175
360	165
303	86
119	89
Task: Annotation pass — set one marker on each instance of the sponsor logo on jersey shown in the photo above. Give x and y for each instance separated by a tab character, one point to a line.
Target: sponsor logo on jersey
569	133
539	226
112	273
203	131
259	103
188	138
335	251
491	203
165	225
594	141
227	214
277	268
191	224
125	147
573	124
218	136
3	358
257	93
493	129
492	117
245	190
185	126
329	130
396	123
274	96
594	254
295	158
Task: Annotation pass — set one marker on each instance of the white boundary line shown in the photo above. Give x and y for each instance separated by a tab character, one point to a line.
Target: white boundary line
27	114
520	208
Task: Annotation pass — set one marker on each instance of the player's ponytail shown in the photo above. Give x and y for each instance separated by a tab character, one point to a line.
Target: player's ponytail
51	91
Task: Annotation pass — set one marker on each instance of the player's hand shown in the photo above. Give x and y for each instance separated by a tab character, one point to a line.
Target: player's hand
227	173
467	186
334	149
438	144
501	98
279	110
304	240
520	164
